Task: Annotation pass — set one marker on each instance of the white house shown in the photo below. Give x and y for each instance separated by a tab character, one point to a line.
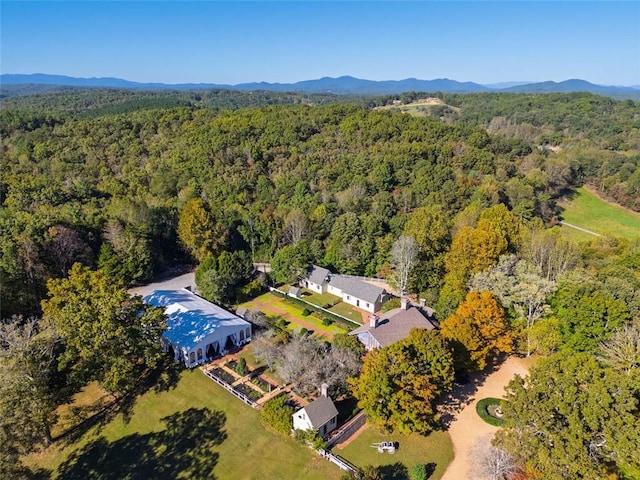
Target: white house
394	325
320	415
197	330
355	292
316	279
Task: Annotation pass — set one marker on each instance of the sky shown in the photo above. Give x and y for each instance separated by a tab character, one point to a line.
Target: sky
235	42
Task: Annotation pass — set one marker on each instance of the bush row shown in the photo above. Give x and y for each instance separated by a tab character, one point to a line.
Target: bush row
309	307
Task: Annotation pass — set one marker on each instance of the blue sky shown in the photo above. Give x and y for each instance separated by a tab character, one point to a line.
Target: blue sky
235	42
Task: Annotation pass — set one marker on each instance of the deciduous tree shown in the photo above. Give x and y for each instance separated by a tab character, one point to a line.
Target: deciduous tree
571	418
478	330
399	383
108	335
403	258
518	285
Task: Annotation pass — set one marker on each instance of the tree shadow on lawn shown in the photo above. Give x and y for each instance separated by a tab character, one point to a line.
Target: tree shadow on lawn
182	449
395	471
463	393
163	378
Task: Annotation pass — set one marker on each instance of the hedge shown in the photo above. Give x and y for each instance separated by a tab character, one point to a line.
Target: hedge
308	306
481	409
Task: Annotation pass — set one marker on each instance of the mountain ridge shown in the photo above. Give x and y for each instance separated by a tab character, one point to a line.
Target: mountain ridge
343	85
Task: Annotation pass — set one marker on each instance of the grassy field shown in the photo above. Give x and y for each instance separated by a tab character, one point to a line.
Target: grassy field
418	108
435	450
195	430
585	209
272	304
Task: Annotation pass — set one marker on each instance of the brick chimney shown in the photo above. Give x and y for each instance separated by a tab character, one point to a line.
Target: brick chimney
373	321
323	389
404	303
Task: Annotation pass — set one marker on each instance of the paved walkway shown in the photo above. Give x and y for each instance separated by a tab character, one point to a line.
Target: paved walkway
466	427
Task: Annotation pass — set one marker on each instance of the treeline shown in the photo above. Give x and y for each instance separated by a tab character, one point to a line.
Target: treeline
101	101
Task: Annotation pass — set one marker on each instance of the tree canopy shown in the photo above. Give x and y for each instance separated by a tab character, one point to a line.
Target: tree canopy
400	383
108	335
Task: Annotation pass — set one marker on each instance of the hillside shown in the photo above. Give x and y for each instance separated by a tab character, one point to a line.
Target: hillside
344	85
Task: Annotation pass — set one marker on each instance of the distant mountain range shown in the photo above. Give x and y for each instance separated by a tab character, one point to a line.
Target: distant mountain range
342	85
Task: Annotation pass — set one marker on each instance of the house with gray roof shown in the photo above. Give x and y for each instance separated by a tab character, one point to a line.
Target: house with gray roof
394	325
316	279
320	416
351	290
356	292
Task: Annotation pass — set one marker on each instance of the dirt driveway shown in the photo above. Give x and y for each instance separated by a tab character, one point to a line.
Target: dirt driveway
466	427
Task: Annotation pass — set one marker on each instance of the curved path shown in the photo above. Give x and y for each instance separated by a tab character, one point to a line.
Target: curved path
466	427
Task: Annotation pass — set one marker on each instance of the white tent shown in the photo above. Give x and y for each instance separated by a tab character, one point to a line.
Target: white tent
198	330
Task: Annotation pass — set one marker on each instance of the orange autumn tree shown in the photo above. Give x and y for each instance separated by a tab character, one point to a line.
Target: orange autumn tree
477	331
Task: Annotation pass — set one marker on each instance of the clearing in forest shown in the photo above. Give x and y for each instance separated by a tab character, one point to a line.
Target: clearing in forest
588	211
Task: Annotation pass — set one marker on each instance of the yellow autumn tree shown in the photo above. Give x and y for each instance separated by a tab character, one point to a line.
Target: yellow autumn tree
477	331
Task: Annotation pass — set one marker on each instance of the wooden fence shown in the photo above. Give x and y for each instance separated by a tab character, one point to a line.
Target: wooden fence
230	389
348	429
337	460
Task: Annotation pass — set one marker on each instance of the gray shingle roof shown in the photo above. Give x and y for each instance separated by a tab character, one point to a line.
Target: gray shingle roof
320	411
395	325
295	291
357	288
317	274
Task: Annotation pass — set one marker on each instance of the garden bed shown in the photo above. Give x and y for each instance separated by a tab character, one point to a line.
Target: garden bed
489	409
223	375
263	384
251	393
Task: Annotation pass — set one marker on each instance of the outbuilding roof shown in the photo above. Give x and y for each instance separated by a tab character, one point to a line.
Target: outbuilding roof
190	318
317	274
320	411
357	288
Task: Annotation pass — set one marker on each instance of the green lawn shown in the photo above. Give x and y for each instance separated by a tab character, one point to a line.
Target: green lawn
196	430
347	311
275	303
435	450
319	299
587	210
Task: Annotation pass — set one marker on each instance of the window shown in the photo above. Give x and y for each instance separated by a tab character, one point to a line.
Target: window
348	297
192	357
248	333
242	335
199	354
368	306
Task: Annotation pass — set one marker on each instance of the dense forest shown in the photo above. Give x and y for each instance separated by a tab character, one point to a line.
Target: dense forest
112	186
136	183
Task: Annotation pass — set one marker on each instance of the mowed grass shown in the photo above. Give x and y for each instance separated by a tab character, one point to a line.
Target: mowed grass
435	450
272	304
585	209
345	310
195	430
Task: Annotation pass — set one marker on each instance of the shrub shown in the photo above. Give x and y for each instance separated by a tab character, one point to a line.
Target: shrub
306	312
481	409
276	414
419	472
304	332
241	368
309	437
327	321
